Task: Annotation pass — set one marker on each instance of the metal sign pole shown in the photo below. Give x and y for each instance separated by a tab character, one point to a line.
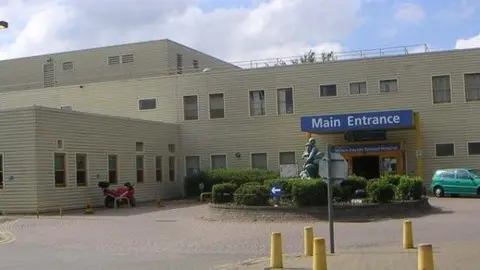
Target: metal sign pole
330	200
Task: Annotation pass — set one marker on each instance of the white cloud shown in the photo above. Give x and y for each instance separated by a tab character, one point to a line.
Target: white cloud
409	13
473	42
272	28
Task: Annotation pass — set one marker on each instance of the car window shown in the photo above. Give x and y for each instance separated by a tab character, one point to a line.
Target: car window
462	174
446	174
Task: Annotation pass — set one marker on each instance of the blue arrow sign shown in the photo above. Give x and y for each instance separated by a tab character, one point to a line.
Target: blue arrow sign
276	191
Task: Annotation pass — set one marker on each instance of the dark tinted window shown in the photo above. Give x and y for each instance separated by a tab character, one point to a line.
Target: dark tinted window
444	150
462	174
474	148
147	104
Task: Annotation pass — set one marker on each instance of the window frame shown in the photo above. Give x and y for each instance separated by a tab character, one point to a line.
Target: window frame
86	169
143	99
432	90
359	94
185	162
250	103
465	86
468	149
256	153
137	171
174	168
218	154
65	169
277	101
294	155
157	169
327	84
117	168
435	149
390	79
209	109
198	107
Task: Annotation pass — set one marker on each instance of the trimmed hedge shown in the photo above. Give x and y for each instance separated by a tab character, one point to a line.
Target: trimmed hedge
309	192
252	194
220	176
347	189
409	188
380	191
223	193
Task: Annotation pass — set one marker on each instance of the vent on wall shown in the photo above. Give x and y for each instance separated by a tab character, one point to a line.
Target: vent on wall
128	58
48	75
67	66
66	107
113	60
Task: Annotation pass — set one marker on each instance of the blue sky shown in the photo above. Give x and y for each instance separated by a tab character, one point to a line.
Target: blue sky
237	30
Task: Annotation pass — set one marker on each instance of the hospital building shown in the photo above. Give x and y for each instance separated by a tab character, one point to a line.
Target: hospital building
151	113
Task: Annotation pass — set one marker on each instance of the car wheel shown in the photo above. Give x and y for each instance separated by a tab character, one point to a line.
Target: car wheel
438	191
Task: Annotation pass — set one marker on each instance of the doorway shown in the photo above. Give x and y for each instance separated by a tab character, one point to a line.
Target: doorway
366	166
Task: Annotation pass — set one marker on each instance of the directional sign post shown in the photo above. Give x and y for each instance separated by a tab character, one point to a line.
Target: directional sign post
276	193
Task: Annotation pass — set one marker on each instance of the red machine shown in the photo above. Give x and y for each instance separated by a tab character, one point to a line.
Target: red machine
118	196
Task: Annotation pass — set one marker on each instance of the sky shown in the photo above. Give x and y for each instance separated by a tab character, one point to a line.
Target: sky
239	30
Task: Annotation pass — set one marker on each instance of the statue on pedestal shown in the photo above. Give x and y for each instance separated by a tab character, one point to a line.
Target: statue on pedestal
312	160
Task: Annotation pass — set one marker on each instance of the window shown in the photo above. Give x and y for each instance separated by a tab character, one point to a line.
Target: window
179	64
448	174
113	60
81	167
139	146
441	89
287	158
195	64
1	171
112	169
192	165
259	161
387	86
463	174
358	88
285	100
171	148
147	104
67	66
474	148
59	144
60	170
190	107
218	162
217	106
140	164
444	149
66	108
128	58
472	86
171	168
158	169
328	90
257	103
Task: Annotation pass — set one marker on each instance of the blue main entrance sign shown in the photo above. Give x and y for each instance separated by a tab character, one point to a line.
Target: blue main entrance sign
357	121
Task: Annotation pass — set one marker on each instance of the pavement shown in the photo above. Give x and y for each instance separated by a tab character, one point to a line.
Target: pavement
180	237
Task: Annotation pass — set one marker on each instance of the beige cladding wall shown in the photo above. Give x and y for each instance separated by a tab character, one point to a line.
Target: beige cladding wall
17	145
98	136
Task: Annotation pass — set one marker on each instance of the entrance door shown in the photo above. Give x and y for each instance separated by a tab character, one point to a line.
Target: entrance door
366	166
388	165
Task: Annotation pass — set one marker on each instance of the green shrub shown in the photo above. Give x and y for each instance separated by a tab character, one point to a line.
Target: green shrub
223	193
236	176
252	194
192	182
380	191
409	188
286	184
352	184
309	192
339	193
392	178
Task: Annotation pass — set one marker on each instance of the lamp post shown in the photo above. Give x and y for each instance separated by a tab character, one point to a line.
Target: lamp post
3	25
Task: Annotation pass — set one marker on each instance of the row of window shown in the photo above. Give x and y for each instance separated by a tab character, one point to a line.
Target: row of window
219	161
81	169
448	149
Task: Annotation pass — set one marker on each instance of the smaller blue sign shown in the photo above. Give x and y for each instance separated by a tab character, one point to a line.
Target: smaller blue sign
357	121
276	191
359	148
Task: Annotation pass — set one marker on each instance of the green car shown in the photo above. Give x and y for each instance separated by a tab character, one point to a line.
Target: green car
460	181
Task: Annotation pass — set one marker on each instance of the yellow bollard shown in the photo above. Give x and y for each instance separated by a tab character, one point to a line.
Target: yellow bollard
88	208
308	241
425	257
407	234
61	212
319	254
276	253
